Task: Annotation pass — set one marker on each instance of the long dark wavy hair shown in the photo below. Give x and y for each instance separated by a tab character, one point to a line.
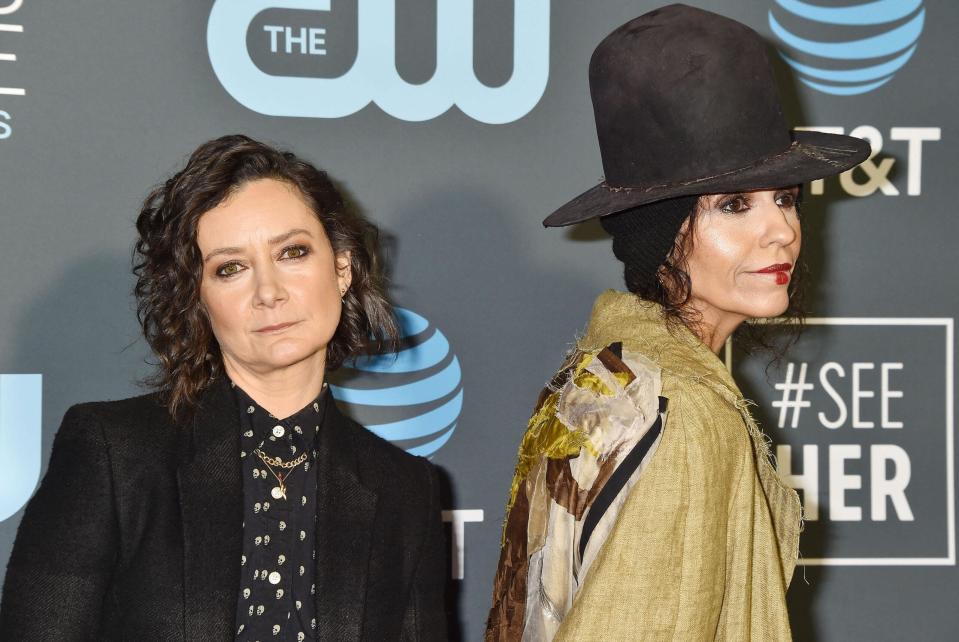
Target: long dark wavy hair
168	265
672	289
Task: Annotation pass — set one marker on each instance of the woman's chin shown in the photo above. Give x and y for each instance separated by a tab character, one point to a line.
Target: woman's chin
768	307
775	311
285	356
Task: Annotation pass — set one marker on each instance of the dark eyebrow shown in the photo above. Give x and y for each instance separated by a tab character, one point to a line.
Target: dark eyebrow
276	240
714	199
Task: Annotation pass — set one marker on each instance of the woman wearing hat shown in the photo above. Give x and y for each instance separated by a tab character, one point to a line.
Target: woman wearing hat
644	505
235	502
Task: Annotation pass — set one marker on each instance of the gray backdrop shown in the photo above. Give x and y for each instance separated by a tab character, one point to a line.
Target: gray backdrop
101	99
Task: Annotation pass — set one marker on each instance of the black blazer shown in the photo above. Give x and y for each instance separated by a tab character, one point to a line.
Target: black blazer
135	532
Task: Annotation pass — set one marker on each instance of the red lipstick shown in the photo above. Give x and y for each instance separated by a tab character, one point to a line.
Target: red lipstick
781	270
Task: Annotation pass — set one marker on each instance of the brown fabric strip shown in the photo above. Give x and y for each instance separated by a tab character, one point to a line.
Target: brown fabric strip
565	490
615	365
506	616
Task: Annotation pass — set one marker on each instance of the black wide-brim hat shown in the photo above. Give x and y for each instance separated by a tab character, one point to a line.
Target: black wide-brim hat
685	103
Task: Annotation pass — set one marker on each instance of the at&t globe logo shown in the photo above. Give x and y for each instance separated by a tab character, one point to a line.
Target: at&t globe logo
411	398
21	396
847	50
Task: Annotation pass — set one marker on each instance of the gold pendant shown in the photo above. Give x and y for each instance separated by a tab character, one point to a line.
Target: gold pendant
279	492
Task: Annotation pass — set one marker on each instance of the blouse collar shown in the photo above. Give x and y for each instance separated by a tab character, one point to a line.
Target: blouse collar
308	418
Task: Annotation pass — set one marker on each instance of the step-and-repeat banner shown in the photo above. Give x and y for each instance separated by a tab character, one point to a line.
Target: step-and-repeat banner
457	126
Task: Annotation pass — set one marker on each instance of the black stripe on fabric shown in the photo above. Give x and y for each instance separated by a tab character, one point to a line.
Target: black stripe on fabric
620	476
617	349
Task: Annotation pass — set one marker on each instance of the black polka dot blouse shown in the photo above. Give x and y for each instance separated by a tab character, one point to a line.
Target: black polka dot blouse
277	585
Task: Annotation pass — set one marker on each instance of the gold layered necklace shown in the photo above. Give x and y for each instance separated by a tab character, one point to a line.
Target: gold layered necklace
279	492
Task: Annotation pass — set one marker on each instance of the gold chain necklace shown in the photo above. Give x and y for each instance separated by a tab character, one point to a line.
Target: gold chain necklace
279	492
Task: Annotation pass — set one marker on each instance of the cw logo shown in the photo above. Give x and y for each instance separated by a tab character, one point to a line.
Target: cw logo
20	433
373	76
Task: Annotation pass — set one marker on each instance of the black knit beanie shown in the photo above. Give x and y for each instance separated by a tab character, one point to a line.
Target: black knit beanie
643	237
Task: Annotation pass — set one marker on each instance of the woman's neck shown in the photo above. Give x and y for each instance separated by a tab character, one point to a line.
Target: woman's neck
282	391
713	327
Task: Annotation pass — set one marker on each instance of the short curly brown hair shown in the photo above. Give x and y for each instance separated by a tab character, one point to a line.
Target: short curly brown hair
168	265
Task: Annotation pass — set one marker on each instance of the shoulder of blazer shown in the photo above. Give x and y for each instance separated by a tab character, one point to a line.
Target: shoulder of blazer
120	409
140	422
386	467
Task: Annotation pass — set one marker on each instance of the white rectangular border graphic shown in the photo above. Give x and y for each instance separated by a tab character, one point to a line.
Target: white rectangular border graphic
950	559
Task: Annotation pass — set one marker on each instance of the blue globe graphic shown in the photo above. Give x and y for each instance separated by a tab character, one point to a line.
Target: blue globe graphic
879	38
412	397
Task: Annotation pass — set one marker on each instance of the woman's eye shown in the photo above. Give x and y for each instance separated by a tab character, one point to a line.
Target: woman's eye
295	252
228	269
734	205
786	200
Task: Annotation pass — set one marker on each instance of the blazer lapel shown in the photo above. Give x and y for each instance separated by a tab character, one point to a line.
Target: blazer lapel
211	501
346	509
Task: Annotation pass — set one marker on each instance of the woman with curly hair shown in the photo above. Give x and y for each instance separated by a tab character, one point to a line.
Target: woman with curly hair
235	501
644	504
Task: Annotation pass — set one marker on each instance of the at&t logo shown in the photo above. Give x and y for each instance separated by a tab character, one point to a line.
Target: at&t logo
865	43
20	433
412	397
232	30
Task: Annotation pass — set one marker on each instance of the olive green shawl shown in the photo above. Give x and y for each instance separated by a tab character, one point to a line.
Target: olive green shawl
705	544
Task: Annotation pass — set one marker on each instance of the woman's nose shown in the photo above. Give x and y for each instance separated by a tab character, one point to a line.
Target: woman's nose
269	287
780	224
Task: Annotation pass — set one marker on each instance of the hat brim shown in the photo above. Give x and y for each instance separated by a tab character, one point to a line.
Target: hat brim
812	155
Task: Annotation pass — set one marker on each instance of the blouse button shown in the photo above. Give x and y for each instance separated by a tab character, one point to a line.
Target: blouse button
279	431
274	578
